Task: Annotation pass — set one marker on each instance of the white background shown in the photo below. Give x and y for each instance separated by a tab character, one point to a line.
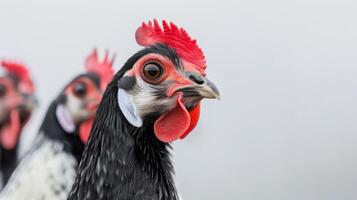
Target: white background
286	127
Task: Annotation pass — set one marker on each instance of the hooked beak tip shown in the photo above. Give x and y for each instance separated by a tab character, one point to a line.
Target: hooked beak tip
210	94
206	90
197	87
218	97
211	90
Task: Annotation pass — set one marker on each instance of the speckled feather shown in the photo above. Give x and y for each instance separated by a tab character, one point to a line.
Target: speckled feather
122	162
47	168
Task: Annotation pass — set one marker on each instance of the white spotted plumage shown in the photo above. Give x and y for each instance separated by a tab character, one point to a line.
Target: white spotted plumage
46	172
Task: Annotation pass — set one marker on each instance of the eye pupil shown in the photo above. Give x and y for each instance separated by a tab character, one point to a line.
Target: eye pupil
152	71
80	89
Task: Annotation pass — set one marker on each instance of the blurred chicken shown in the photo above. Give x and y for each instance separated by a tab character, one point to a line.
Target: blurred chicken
17	102
49	169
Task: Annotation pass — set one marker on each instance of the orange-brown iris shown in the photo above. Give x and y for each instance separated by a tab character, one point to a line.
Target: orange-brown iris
152	72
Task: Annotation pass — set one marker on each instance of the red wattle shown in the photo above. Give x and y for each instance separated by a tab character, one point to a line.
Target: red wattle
11	131
194	116
172	125
85	129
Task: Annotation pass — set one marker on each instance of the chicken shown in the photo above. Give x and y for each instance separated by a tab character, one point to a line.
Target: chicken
49	169
152	101
17	102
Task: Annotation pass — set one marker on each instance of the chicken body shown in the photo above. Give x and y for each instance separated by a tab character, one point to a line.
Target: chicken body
17	102
153	100
48	170
47	162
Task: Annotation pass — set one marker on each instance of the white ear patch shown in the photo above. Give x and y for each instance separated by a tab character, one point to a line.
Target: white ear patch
64	119
128	108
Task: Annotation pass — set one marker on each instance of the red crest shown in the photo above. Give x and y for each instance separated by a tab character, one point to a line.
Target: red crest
174	37
19	70
104	69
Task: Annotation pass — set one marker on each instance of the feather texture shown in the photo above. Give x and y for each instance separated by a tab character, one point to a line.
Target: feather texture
45	173
120	161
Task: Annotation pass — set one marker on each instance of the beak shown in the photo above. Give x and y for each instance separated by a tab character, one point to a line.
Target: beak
203	89
30	102
208	90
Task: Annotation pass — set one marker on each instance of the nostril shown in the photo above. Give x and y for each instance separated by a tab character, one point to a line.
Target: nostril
196	78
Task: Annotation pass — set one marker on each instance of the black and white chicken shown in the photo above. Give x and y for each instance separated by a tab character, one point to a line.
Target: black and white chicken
152	101
49	169
17	102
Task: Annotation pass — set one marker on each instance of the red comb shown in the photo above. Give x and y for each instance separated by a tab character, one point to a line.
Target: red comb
19	70
104	69
174	37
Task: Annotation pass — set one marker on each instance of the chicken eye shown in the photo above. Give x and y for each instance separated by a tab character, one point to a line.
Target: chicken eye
79	89
2	90
152	72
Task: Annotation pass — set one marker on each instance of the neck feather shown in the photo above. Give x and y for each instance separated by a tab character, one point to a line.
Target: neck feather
8	160
52	129
122	161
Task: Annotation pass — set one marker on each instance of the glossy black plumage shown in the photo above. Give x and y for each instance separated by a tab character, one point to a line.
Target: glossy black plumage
120	161
8	160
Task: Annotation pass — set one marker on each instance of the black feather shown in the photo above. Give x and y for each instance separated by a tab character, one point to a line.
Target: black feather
127	82
8	161
120	161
